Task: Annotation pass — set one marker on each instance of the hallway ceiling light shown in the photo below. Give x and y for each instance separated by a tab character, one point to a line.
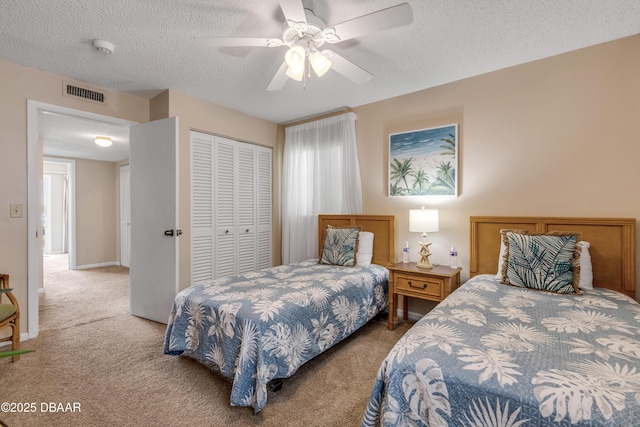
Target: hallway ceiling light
103	141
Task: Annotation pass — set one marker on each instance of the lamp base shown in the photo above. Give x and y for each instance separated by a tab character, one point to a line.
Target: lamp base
426	264
424	255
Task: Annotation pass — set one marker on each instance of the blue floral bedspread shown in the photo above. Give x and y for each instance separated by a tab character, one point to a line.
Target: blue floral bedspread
496	355
264	325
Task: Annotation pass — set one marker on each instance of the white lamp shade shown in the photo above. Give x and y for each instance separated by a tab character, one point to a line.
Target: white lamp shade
319	63
295	72
295	57
423	220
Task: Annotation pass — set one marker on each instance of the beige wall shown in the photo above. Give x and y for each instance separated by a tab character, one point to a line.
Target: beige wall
96	206
17	85
559	136
194	114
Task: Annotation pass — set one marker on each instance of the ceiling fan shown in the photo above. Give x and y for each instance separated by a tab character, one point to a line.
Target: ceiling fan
305	34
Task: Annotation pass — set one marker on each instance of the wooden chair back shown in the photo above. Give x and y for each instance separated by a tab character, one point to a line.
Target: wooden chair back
12	320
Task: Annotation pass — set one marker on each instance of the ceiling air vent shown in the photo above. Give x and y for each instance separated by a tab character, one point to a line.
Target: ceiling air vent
83	93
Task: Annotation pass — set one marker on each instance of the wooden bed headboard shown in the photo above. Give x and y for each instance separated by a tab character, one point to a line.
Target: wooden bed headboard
383	228
613	245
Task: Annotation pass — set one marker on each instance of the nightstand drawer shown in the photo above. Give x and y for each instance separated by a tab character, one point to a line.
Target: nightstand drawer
420	285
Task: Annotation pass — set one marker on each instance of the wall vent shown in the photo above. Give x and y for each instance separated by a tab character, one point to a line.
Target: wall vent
83	93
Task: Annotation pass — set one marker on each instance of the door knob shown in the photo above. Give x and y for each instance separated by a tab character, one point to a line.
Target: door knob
168	232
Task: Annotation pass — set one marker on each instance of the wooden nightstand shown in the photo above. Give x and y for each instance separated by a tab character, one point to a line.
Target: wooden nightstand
409	280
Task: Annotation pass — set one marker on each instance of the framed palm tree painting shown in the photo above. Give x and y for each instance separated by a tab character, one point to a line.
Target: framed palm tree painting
424	162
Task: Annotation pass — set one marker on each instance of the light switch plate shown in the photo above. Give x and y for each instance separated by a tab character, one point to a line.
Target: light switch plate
15	211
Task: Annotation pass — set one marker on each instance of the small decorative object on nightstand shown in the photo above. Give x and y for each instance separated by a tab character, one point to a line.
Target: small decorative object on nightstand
424	221
409	280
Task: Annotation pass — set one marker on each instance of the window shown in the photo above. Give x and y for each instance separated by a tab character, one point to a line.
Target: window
320	176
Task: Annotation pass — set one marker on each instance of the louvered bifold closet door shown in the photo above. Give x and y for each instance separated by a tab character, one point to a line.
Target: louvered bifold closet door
225	207
202	236
246	214
230	207
263	208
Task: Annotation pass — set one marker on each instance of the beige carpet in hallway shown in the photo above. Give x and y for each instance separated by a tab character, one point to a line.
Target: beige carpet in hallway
91	353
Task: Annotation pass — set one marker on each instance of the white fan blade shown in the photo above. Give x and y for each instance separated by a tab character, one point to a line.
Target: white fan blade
347	68
395	16
244	41
294	14
278	81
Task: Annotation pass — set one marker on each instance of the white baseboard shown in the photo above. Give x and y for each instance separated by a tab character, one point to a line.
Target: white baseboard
23	337
412	315
103	264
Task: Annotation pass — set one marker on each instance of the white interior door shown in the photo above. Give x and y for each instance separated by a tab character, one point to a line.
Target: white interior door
125	216
46	208
153	273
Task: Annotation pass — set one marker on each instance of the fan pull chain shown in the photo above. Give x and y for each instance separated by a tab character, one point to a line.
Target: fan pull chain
307	76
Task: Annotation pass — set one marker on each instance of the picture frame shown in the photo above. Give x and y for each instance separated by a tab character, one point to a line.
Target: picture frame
424	162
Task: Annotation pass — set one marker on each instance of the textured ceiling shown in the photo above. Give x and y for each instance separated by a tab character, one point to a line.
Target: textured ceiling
162	44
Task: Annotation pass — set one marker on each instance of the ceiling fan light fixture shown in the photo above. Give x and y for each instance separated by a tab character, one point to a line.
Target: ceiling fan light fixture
319	63
295	57
305	33
103	141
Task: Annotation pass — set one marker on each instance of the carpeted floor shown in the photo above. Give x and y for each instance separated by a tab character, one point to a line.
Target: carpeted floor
93	355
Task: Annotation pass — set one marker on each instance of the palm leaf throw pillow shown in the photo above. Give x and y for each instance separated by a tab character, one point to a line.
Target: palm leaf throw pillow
542	261
339	246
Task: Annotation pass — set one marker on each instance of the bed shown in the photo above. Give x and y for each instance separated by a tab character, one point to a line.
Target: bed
259	327
501	354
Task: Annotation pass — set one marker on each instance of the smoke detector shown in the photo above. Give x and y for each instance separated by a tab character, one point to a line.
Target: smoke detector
103	46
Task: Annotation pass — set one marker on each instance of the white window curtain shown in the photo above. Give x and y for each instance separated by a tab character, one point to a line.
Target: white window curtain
320	176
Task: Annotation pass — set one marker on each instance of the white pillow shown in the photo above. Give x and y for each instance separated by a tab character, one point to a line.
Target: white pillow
503	250
586	269
365	248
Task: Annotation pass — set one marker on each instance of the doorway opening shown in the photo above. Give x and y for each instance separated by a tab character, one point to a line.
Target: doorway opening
36	181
